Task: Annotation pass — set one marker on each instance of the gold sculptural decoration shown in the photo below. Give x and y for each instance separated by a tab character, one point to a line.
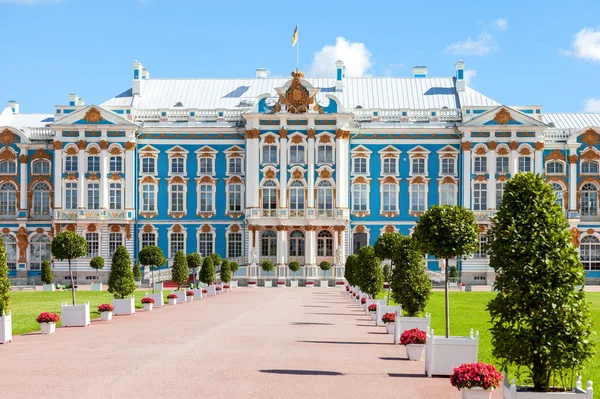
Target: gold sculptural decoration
525	150
324	139
514	145
269	139
503	117
492	145
465	146
103	144
252	134
235	179
7	155
342	134
311	133
22	243
482	228
555	155
115	150
81	144
572	158
297	174
448	180
418	180
590	137
92	228
502	150
128	231
71	150
234	228
5	230
590	155
57	145
23	158
270	174
390	228
480	150
206	228
93	115
296	98
148	228
575	236
40	154
325	174
71	227
539	145
283	132
7	138
115	228
359	229
130	145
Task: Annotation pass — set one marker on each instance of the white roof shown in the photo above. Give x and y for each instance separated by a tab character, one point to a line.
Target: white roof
571	121
20	121
367	92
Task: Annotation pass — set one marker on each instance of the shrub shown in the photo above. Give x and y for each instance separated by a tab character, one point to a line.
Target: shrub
97	263
69	245
386	272
294	267
413	337
234	266
47	277
137	272
351	269
152	256
225	272
472	375
207	273
325	266
216	259
194	261
371	275
47	317
180	272
540	317
453	273
147	300
106	307
267	266
388	318
120	280
4	281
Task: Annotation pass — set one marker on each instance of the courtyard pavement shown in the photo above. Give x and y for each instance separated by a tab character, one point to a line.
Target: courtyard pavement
249	343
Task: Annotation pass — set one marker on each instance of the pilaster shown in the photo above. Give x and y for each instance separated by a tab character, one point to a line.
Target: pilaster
129	174
252	168
58	181
341	166
310	178
466	148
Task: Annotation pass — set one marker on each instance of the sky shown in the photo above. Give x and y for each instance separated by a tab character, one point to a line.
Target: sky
516	52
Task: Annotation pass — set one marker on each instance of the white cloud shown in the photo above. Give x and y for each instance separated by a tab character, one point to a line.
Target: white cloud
592	105
31	2
501	23
356	57
586	44
484	44
470	76
390	69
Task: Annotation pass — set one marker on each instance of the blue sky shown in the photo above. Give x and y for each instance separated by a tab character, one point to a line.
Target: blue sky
518	53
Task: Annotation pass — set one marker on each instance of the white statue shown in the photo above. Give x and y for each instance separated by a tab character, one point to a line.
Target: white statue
253	255
338	256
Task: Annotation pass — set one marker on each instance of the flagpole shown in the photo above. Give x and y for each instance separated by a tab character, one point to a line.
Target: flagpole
297	47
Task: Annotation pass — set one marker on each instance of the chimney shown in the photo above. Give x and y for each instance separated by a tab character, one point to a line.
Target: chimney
75	100
419	72
340	70
14	106
261	73
460	76
140	76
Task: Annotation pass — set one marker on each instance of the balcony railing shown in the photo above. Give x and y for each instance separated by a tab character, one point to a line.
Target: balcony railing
96	214
284	213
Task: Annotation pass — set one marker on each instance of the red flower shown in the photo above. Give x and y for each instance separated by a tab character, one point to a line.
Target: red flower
348	288
226	286
47	317
413	337
218	288
105	307
189	293
172	296
388	318
470	375
281	283
386	285
309	283
339	283
148	300
251	282
372	307
363	300
204	291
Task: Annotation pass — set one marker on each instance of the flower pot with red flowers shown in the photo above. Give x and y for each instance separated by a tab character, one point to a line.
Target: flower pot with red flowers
212	290
339	284
443	354
148	303
281	284
48	322
372	308
309	284
75	315
172	298
197	293
181	295
347	288
189	294
363	301
159	299
252	284
388	320
476	380
218	289
414	340
226	287
204	292
106	311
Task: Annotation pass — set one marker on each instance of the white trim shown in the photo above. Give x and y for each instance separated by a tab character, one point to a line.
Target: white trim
171	152
170	232
185	190
211	232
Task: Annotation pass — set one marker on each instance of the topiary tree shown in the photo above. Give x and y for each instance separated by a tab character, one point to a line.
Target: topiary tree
97	263
47	277
410	284
137	272
152	256
294	267
324	265
350	269
371	275
216	258
207	273
447	231
234	266
387	272
267	266
540	316
180	272
4	281
120	279
225	272
69	245
453	273
194	261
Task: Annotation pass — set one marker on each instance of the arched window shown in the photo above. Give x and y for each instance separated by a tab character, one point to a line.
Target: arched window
559	194
324	243
296	243
589	200
8	200
148	197
268	243
8	167
390	197
115	164
296	198
359	240
40	207
114	241
589	252
360	197
325	196
115	196
93	240
93	164
269	154
589	168
269	198
205	243
555	168
10	243
297	153
41	167
417	197
39	251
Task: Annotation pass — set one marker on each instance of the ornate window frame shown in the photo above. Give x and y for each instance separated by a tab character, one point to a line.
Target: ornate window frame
502	151
360	152
71	150
177	152
418	152
234	152
205	229
294	140
177	180
210	181
389	180
391	152
234	229
589	155
525	151
234	180
361	180
324	139
480	151
359	229
269	139
448	152
564	189
149	152
147	229
206	152
176	229
420	179
117	152
447	180
152	181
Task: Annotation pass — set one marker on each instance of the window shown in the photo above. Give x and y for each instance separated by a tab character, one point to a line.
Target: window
524	164
360	198
324	196
390	198
417	166
178	244
206	198
148	198
296	196
235	166
93	164
115	164
177	165
481	253
480	197
93	196
41	167
115	196
205	244
114	240
149	165
177	197
40	206
206	166
390	166
93	244
417	197
448	194
589	252
296	243
234	198
297	154
71	164
10	244
71	196
8	167
555	168
589	200
499	193
480	164
8	200
148	239
269	154
589	167
268	243
39	251
324	243
325	153
359	240
234	245
360	166
502	165
448	166
269	196
558	193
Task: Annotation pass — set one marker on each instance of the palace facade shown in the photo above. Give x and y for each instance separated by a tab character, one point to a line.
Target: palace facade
299	169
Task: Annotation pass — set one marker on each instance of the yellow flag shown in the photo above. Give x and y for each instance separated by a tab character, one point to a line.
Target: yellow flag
295	36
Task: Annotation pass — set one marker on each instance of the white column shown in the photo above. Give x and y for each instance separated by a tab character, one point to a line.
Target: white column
23	178
104	179
466	147
129	175
341	166
513	166
310	178
539	157
252	168
283	168
311	246
58	186
572	179
491	167
81	181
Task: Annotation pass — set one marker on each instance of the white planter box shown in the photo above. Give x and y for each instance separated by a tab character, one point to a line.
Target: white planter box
189	298
48	328
373	315
383	309
415	352
408	323
48	287
6	329
234	284
280	285
124	306
158	287
219	292
197	293
96	287
181	297
511	391
309	285
444	354
159	300
324	283
106	316
148	307
268	284
476	393
294	283
211	290
252	285
75	316
389	327
172	301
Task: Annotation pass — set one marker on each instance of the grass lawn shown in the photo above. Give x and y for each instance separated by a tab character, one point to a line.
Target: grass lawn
26	306
468	310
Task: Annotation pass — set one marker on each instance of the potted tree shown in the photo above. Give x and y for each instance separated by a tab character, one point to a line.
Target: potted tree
137	275
371	275
448	231
47	277
97	263
5	316
324	266
194	261
234	266
540	317
268	267
207	275
69	245
225	275
152	256
349	270
294	267
180	274
120	282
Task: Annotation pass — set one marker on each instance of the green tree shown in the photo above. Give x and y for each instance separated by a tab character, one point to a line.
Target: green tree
234	266
371	275
225	272
453	273
194	262
120	279
69	245
267	266
97	263
180	272
325	266
137	272
387	273
216	258
152	256
294	267
447	231
351	269
540	317
4	281
387	245
410	284
47	277
207	273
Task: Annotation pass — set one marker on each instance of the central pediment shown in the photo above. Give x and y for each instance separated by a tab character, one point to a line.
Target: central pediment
297	95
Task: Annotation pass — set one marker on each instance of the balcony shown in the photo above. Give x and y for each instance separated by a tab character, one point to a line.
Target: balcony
483	215
284	213
95	214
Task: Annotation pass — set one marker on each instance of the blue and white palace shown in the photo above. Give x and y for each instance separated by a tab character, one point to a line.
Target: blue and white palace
283	169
